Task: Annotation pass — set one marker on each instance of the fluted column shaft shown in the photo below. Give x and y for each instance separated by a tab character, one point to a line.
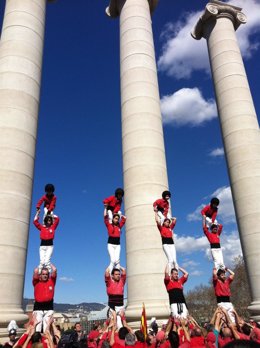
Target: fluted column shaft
144	165
240	131
21	49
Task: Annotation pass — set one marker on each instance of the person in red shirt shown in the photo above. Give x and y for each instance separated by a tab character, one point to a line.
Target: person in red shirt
113	203
221	285
115	283
210	211
113	243
174	287
47	235
161	206
166	231
49	200
213	236
44	286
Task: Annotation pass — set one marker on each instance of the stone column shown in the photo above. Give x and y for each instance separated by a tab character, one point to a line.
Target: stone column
240	130
144	165
21	49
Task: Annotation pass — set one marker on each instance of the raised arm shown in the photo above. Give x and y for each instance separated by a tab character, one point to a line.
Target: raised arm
185	273
166	272
157	218
36	220
173	222
232	274
56	222
53	271
122	221
220	228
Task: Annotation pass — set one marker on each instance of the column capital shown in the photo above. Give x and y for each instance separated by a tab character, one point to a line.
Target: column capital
113	9
216	9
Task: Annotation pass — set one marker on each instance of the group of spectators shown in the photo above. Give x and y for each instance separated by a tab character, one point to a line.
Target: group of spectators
183	333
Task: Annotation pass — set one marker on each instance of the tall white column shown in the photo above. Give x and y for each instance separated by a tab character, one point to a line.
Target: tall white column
240	130
144	165
21	49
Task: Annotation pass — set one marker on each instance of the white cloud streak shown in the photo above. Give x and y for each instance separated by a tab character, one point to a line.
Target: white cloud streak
226	211
181	54
187	107
218	152
66	279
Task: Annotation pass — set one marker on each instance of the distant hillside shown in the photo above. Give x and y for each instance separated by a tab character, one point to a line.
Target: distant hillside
64	307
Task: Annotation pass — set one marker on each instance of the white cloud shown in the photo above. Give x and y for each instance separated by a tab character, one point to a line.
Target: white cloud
196	273
182	54
218	152
189	245
187	107
230	245
226	212
66	279
190	263
196	215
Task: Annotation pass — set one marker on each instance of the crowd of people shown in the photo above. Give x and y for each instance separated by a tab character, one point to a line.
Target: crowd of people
226	328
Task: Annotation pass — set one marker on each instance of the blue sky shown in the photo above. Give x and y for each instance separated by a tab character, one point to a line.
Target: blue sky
79	136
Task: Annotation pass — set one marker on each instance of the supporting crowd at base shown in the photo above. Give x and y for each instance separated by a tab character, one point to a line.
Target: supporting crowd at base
181	330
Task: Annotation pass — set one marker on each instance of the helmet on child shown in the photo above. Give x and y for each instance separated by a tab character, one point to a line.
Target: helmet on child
166	193
49	188
119	192
214	201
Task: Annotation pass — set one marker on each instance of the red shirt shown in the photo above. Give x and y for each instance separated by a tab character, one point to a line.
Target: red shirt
223	341
166	232
113	203
174	284
23	338
213	237
44	291
222	288
115	288
114	230
197	341
47	233
210	212
162	205
49	202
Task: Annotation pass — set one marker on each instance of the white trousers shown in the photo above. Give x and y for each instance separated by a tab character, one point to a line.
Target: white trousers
229	308
170	252
114	253
209	222
45	257
110	215
217	256
162	217
117	311
179	310
42	318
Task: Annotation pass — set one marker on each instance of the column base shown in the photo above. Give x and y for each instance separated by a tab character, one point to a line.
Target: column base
6	316
160	310
254	309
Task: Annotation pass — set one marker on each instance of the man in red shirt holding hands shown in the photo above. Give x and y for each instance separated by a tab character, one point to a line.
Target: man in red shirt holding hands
221	285
174	287
44	285
115	290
